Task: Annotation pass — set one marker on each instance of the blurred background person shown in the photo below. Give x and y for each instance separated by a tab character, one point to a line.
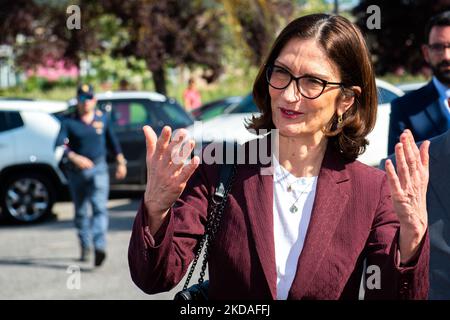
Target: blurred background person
124	85
426	111
87	135
191	96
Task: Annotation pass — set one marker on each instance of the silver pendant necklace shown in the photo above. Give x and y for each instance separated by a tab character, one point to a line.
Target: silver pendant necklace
293	208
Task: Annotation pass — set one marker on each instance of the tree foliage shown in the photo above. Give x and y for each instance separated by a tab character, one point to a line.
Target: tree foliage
37	30
163	33
255	23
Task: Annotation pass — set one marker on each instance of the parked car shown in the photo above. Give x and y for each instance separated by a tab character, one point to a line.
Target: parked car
408	87
387	92
30	179
231	125
129	111
215	108
15	98
47	106
378	138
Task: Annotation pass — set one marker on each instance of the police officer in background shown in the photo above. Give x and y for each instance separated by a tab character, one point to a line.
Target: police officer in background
87	136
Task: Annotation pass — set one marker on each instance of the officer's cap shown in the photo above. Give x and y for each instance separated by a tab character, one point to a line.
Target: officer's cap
85	92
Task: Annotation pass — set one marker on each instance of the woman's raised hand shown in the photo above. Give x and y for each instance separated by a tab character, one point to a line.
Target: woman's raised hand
409	192
167	172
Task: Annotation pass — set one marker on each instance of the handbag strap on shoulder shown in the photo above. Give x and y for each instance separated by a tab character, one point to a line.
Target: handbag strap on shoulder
219	199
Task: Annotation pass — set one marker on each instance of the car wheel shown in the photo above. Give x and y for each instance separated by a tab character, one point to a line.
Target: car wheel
27	197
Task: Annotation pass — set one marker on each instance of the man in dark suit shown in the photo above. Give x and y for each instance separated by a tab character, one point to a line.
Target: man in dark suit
426	111
438	207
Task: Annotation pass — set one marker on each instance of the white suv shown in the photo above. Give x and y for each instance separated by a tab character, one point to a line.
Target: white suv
30	179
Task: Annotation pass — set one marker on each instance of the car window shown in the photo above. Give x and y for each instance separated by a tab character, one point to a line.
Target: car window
385	96
61	114
170	113
15	120
213	111
247	105
129	114
10	120
3	124
126	115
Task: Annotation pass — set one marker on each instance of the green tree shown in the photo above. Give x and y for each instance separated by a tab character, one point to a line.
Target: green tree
164	34
172	33
37	30
255	24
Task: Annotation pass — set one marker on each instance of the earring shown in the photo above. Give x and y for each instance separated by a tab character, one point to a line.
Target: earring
340	120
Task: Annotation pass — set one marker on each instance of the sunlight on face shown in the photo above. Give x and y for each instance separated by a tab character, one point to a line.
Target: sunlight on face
293	114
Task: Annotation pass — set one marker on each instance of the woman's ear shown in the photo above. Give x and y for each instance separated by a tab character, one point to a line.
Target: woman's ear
348	98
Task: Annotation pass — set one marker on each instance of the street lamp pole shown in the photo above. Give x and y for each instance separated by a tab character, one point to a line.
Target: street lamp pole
336	7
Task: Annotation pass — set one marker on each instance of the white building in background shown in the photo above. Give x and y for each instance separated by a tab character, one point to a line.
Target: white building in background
8	77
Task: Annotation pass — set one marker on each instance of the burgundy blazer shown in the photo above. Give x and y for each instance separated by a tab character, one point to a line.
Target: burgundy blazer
352	224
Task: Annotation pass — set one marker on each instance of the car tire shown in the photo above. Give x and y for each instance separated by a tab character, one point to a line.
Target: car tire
27	197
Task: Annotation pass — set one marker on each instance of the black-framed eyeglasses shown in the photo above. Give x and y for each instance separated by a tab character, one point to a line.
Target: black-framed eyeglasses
439	47
309	87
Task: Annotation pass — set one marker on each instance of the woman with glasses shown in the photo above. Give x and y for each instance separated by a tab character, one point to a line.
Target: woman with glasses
322	225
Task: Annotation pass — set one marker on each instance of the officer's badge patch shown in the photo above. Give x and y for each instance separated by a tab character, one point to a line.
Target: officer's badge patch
98	125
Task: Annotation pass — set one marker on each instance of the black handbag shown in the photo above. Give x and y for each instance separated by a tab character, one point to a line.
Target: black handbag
199	291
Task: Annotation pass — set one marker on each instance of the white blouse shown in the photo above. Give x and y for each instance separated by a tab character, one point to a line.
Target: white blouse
293	200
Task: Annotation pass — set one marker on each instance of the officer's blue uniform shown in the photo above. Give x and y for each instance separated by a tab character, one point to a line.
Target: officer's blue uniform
89	186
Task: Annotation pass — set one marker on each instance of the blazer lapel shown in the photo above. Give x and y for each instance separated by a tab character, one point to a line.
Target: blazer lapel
258	192
332	195
434	113
433	110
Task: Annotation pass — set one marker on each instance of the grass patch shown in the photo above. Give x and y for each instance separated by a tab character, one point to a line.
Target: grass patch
407	78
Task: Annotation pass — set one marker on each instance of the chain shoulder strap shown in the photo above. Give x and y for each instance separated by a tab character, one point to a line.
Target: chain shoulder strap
218	203
215	221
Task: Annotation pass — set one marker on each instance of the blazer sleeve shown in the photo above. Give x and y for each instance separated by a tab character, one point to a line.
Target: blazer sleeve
395	281
158	264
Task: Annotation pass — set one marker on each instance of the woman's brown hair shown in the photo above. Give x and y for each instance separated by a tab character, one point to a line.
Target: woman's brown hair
345	46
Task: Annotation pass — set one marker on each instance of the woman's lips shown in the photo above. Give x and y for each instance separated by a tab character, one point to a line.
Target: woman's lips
290	114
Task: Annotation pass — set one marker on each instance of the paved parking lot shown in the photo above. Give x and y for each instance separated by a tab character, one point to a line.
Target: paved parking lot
40	261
